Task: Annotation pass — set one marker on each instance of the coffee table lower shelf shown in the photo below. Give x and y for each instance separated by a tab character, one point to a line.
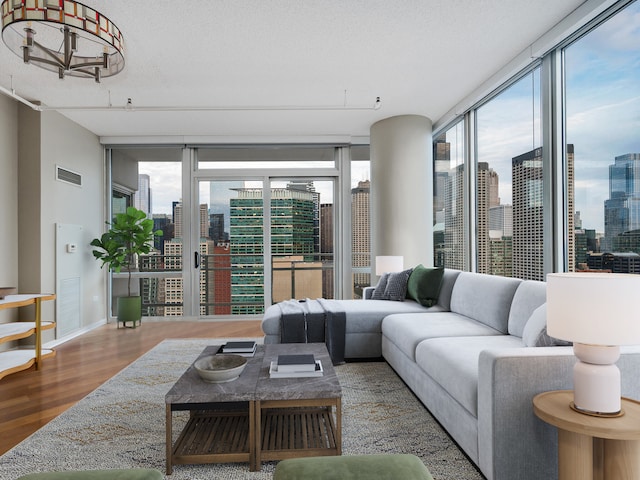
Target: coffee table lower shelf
214	437
297	432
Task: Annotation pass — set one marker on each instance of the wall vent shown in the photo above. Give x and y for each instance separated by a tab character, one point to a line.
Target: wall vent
64	175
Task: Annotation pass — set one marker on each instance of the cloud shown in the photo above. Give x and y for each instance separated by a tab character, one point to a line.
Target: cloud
166	184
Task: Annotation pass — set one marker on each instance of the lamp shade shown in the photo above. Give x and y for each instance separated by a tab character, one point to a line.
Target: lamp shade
389	264
594	308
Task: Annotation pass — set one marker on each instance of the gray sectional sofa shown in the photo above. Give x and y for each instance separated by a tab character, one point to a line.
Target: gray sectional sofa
475	359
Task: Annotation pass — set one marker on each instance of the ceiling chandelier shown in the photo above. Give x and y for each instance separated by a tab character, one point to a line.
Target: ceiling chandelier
63	36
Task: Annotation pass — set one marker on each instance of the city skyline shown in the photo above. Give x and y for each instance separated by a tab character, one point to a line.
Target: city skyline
166	182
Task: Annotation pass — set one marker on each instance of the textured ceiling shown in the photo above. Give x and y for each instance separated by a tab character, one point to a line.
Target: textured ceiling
418	56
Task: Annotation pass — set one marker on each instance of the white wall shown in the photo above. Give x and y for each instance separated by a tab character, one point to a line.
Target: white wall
8	198
47	140
66	144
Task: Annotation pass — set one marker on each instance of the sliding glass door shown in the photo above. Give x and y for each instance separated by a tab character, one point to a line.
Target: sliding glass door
230	255
301	228
243	227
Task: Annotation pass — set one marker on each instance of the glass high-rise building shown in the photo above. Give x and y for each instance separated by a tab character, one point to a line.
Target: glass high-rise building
292	233
142	198
622	208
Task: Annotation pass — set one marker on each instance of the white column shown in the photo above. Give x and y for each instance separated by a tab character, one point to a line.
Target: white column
402	189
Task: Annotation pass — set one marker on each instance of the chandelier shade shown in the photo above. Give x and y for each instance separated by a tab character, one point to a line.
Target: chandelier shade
63	36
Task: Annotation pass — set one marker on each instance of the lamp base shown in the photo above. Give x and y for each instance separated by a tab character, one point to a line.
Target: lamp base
596	414
596	380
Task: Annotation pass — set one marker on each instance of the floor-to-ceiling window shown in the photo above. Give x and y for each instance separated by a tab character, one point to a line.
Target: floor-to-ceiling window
509	182
449	205
602	164
556	178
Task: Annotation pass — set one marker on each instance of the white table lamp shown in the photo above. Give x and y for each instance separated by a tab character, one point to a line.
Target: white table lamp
389	264
598	312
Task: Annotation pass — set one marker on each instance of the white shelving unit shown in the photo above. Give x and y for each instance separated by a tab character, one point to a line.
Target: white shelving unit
18	359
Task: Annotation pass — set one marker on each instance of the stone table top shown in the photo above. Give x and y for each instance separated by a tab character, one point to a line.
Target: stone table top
326	386
254	383
190	388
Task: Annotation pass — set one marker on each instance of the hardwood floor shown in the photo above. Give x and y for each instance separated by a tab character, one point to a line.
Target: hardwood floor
31	398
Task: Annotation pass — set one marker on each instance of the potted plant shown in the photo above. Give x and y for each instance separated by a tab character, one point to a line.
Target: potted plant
130	235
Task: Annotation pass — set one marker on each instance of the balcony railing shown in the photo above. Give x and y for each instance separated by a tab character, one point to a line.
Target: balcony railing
233	284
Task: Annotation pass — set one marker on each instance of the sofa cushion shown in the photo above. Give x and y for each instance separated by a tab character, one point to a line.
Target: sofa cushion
424	285
529	296
363	316
453	363
535	331
485	298
449	278
407	330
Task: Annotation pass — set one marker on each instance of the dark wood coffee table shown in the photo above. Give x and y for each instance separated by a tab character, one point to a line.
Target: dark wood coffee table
255	417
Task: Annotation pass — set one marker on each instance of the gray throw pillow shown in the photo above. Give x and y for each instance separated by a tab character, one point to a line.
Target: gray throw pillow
378	292
535	330
396	288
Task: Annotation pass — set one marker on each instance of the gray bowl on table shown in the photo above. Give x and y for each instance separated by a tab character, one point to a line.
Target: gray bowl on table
220	368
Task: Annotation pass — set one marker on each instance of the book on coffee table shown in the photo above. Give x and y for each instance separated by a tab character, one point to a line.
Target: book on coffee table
275	372
296	363
245	349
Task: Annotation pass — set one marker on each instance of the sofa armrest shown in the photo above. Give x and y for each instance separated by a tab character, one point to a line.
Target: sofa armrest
512	441
367	293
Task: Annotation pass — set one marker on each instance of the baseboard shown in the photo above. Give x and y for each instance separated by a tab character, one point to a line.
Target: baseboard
77	333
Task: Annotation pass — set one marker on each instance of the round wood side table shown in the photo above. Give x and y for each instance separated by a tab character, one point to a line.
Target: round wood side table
592	447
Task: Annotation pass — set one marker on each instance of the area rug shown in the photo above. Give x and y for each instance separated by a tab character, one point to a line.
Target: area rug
122	424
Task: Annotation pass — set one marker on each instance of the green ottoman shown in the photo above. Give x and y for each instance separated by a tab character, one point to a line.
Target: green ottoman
116	474
354	467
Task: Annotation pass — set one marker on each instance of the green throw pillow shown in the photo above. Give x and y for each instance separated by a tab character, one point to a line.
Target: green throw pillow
424	285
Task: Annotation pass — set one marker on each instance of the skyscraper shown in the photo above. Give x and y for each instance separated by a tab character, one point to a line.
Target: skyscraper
326	249
292	234
486	197
216	227
360	234
203	220
142	198
571	209
528	225
309	187
454	237
622	208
